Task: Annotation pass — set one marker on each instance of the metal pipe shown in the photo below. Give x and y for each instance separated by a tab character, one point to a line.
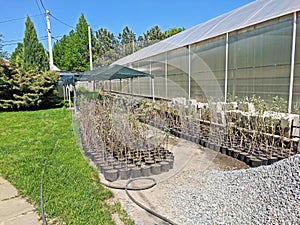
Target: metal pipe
189	72
166	74
226	69
292	63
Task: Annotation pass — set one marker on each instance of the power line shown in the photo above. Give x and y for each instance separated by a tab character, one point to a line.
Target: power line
56	37
55	17
62	22
12	41
42	5
15	42
15	19
41	12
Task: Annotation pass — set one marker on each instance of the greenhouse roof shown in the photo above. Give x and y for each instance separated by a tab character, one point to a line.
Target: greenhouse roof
253	13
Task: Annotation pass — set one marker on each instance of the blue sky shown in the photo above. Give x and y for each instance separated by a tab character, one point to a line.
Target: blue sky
138	15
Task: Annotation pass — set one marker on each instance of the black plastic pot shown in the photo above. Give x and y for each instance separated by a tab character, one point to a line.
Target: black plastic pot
272	159
242	156
124	174
264	160
146	171
254	162
211	146
229	151
136	172
156	169
217	147
197	140
111	175
235	153
223	149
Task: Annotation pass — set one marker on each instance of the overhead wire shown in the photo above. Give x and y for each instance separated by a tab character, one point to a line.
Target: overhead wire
15	42
41	12
38	4
43	5
61	21
21	18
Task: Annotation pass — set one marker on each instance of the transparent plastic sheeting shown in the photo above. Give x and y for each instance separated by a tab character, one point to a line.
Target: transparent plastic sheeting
258	59
251	14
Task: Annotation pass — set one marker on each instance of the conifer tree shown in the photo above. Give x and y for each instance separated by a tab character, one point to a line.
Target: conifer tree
16	58
3	54
31	85
31	90
34	55
6	74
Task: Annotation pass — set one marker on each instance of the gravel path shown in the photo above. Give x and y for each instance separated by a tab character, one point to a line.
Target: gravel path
263	195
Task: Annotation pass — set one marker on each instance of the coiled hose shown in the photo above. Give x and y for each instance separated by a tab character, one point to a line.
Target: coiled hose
127	189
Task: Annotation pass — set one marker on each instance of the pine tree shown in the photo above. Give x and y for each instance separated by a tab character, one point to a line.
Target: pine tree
16	58
34	54
32	85
6	74
3	54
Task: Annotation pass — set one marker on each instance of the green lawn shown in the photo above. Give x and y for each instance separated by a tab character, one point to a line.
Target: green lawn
29	140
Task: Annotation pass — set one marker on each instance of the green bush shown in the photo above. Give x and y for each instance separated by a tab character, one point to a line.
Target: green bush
28	90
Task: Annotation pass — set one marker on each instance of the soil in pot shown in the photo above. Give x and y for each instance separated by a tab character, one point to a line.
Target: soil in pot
149	162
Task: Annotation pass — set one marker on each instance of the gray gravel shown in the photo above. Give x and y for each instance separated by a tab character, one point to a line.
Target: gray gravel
263	195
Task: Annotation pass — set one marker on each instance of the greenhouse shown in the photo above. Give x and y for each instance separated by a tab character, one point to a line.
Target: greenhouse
253	50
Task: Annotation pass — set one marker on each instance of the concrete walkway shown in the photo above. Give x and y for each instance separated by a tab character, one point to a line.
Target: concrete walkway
15	210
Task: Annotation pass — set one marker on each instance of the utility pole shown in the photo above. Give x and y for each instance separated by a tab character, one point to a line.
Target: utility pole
90	48
49	39
91	55
133	40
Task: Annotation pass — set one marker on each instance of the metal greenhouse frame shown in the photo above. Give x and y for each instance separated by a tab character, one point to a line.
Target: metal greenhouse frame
250	50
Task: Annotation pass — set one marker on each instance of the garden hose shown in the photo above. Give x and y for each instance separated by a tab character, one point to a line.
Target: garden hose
126	188
41	185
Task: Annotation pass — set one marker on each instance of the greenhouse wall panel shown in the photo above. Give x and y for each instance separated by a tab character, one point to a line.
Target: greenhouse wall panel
158	65
248	51
259	60
208	69
177	73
